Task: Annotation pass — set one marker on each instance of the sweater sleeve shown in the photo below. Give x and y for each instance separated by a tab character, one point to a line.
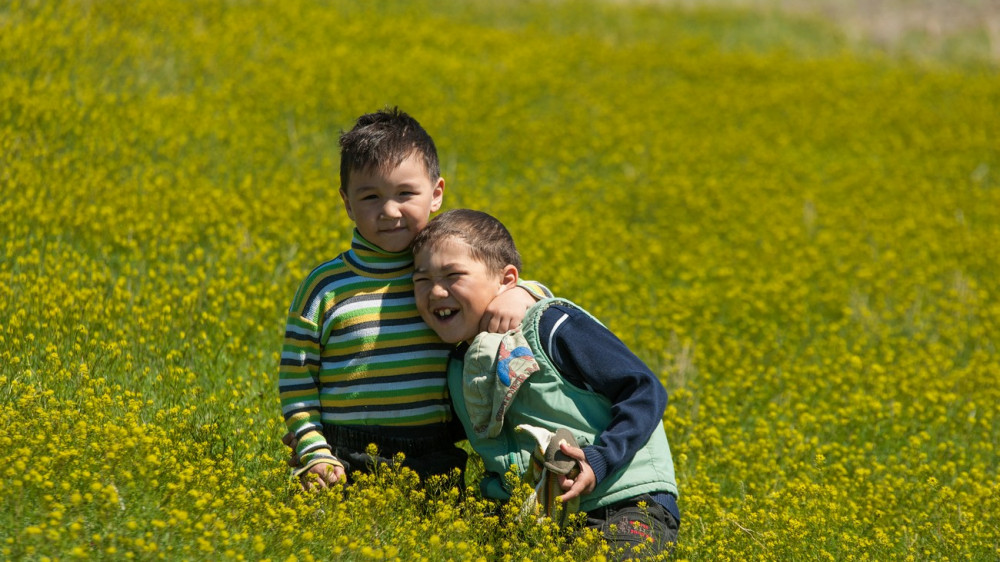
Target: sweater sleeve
298	387
535	289
590	356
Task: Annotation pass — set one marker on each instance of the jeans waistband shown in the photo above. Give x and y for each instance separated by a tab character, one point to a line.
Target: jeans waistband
665	500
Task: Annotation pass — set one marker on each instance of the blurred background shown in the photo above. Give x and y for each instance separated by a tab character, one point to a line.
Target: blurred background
927	30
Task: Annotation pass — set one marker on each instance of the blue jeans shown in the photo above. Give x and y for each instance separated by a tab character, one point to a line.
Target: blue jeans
652	525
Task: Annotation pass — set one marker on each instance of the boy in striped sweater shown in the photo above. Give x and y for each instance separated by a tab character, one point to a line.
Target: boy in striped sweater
358	364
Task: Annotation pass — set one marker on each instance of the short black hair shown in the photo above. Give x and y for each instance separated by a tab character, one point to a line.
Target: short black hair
489	240
382	140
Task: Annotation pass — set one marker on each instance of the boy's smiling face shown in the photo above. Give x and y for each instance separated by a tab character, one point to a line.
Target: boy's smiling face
453	288
389	209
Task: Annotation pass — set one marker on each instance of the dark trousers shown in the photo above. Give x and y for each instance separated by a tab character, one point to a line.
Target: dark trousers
428	451
651	525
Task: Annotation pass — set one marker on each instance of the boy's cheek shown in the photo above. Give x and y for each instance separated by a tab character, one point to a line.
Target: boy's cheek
422	309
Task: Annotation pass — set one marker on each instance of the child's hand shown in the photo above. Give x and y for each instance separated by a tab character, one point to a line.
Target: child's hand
326	475
506	310
585	480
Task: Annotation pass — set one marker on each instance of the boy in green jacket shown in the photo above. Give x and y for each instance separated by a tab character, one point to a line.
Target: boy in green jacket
559	388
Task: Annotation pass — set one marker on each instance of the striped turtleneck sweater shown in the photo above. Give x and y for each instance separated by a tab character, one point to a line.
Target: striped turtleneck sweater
356	351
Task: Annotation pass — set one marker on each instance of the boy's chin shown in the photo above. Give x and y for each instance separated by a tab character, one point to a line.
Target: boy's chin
446	338
453	340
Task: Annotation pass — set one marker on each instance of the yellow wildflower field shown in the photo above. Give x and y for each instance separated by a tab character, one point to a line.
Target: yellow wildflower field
802	241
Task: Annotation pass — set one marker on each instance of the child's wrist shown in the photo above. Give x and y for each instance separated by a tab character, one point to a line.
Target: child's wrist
598	464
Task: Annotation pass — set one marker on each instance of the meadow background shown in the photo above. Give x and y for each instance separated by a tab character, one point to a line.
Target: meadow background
793	222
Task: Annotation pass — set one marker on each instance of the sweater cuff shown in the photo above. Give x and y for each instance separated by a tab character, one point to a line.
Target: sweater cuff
535	289
597	462
312	445
331	460
317	454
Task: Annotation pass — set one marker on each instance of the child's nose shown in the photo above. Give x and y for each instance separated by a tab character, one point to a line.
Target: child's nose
438	291
391	210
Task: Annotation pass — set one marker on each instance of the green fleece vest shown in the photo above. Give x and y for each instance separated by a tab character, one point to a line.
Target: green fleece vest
545	399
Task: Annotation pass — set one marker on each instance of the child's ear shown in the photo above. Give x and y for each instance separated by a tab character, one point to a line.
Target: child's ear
437	195
508	279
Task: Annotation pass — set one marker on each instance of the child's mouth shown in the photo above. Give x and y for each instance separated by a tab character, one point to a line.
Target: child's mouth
445	313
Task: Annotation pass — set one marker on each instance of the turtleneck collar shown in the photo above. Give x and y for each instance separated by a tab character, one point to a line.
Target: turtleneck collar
369	259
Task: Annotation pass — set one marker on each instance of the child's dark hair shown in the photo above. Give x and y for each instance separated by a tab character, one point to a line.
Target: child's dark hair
382	140
489	240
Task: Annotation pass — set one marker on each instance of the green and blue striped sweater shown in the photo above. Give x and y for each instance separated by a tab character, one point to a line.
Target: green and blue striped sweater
356	351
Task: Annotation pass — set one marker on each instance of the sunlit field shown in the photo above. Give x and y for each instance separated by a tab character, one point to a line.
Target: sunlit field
802	240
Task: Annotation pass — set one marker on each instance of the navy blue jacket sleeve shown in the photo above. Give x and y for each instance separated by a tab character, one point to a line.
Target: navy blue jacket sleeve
589	356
